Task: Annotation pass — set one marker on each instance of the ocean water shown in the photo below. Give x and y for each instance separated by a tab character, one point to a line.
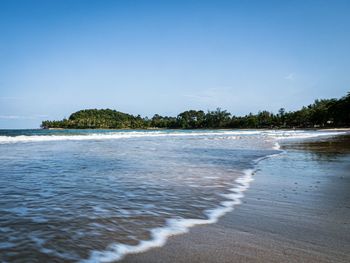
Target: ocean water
97	195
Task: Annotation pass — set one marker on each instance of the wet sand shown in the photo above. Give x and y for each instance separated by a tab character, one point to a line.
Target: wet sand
296	210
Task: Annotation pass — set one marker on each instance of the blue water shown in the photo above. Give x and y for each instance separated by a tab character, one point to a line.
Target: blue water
96	195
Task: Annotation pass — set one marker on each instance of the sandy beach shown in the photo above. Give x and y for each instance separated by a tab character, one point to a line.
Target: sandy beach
297	210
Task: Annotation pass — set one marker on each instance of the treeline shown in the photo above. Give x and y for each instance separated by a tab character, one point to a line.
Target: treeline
322	113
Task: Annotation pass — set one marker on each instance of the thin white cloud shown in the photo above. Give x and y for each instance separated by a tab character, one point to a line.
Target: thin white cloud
41	116
19	117
290	76
197	97
212	97
10	117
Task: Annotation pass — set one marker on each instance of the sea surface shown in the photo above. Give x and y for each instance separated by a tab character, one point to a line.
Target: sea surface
97	195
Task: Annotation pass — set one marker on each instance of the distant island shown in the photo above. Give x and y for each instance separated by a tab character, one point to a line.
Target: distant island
325	113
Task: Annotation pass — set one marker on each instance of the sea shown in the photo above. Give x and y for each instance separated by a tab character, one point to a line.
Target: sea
98	195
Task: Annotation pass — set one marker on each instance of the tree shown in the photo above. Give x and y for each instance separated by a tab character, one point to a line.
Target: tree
325	112
217	119
191	119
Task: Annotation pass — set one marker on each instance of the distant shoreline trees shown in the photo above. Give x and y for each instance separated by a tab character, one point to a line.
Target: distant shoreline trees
323	113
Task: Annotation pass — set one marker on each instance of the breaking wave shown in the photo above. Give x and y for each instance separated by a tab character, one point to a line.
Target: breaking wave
228	134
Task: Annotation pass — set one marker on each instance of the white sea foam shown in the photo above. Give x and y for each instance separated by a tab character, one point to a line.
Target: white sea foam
227	134
176	226
44	138
173	226
113	135
290	134
276	146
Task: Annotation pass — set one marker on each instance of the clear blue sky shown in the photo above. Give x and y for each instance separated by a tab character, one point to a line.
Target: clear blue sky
146	57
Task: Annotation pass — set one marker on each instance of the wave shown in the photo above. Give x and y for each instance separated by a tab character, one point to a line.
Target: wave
276	146
160	235
177	226
301	134
173	227
234	134
113	135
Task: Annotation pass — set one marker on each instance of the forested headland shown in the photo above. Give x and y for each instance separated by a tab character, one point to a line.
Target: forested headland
324	113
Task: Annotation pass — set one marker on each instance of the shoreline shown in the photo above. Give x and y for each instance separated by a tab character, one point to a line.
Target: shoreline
161	129
273	206
241	129
239	236
176	227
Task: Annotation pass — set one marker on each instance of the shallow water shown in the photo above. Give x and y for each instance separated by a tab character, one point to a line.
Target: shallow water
93	195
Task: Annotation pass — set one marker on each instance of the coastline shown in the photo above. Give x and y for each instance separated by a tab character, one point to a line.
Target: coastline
281	210
288	215
220	129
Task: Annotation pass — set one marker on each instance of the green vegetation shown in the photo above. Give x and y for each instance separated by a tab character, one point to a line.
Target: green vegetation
322	113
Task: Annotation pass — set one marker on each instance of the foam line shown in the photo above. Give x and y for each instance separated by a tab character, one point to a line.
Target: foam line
137	134
276	146
114	135
302	134
173	227
160	235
